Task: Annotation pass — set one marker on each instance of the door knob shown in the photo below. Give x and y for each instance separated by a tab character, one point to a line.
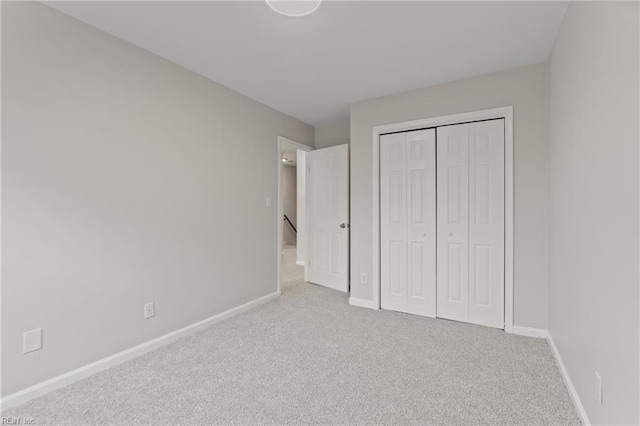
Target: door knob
343	225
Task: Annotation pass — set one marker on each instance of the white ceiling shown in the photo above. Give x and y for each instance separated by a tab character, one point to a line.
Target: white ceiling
313	67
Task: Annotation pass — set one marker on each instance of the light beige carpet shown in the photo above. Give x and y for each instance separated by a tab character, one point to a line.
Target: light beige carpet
290	273
311	358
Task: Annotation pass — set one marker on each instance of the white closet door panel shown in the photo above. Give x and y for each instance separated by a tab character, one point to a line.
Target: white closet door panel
453	222
421	222
393	221
486	223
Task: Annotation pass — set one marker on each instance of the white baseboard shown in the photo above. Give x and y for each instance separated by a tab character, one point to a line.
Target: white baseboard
65	379
362	303
538	332
530	332
568	383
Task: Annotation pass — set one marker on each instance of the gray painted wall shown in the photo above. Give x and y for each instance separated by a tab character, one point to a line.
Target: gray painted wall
332	132
289	205
525	89
121	186
593	292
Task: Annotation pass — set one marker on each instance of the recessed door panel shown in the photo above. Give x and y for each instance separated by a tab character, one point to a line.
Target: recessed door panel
417	270
397	268
455	265
482	258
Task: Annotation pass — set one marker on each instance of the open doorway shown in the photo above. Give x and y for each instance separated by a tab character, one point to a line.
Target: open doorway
292	235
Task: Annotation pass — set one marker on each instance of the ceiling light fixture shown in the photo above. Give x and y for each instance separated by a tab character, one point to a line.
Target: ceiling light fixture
295	8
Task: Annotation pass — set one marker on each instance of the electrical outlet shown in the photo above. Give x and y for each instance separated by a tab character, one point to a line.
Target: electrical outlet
149	310
598	388
267	201
363	278
32	340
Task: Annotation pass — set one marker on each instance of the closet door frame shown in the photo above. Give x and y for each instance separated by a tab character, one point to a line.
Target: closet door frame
495	113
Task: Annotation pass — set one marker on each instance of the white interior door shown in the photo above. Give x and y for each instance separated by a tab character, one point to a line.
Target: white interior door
328	214
393	222
486	223
408	222
453	222
470	215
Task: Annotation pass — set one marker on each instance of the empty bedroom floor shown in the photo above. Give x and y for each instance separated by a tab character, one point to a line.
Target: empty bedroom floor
309	357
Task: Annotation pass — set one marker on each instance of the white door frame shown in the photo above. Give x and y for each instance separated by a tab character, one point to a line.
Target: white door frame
487	114
284	142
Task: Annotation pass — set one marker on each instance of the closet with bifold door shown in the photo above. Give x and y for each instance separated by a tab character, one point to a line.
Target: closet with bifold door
442	222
